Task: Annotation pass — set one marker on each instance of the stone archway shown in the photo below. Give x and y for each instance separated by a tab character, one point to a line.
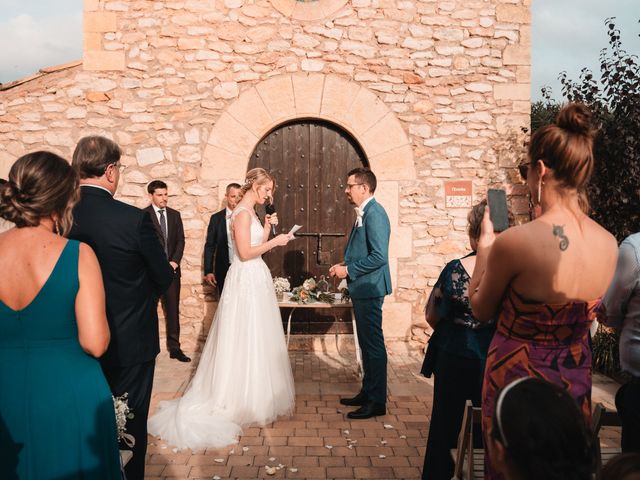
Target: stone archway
287	97
349	105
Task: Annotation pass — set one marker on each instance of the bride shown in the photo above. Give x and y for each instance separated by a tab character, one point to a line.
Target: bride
244	375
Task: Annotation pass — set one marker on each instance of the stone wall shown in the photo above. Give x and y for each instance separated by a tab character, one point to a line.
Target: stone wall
442	86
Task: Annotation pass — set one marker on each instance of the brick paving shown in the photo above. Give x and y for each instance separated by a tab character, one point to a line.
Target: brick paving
318	441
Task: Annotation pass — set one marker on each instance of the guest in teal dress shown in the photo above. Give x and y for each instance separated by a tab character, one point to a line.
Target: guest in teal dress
57	418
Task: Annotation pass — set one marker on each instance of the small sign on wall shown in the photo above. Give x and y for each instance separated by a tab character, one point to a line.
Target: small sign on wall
458	194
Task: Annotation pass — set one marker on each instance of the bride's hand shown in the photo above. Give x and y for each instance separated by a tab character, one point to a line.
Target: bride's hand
271	219
282	239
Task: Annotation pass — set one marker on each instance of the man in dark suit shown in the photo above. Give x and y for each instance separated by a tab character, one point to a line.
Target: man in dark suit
168	223
366	268
135	272
218	242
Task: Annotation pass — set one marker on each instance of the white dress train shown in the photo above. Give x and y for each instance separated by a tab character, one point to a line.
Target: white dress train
244	375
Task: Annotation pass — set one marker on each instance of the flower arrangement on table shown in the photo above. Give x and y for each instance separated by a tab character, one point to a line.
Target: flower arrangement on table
309	292
281	285
123	413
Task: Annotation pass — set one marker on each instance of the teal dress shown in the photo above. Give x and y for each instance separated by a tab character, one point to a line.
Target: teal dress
57	419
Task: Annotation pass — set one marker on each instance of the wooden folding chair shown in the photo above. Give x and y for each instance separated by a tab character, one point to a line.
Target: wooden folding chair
469	462
602	417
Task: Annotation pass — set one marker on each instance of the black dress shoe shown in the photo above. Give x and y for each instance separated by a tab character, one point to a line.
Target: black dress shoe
357	401
179	355
368	410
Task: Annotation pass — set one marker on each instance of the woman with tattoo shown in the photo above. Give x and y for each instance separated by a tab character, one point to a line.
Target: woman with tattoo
545	279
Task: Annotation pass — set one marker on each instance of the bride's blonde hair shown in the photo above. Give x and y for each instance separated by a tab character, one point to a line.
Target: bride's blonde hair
257	176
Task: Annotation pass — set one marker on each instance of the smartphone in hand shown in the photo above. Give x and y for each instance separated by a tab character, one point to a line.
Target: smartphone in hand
499	214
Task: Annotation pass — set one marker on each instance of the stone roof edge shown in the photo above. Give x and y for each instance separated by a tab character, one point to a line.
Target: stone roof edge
41	73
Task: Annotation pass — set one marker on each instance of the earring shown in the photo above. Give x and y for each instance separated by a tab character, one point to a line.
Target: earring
56	227
539	190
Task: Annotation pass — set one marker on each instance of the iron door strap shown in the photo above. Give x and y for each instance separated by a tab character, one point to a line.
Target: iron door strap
319	236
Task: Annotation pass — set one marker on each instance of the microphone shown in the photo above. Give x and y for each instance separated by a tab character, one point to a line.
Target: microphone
270	210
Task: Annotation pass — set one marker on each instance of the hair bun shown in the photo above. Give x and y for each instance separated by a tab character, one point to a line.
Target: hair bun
10	205
575	118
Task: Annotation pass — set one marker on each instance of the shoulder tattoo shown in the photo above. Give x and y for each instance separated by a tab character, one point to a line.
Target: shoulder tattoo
558	231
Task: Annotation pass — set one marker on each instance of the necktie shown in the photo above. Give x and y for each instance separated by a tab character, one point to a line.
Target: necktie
163	229
359	213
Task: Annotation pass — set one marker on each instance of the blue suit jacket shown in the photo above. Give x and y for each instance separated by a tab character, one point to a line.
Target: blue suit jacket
367	254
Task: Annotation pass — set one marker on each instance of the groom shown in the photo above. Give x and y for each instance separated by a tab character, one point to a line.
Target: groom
366	268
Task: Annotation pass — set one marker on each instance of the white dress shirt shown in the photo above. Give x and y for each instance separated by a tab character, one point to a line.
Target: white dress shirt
157	210
228	213
361	208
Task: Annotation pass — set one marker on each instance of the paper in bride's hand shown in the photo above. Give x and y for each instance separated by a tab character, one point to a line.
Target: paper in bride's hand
293	230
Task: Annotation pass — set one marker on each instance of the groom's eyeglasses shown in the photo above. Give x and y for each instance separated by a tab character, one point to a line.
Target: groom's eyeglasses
351	185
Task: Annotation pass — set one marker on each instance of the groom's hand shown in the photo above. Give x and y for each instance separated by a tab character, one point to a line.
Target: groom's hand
338	270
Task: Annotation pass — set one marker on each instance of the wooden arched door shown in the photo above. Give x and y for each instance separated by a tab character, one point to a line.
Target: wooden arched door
310	160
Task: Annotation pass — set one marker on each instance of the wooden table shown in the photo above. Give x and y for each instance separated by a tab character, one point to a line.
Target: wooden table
287	303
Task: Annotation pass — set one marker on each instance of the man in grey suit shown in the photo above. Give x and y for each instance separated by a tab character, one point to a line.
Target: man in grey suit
366	268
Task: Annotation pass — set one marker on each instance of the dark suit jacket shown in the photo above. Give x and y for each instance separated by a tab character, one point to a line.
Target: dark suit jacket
216	245
134	268
175	231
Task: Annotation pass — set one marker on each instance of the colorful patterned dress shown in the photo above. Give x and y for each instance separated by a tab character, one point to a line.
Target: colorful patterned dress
534	339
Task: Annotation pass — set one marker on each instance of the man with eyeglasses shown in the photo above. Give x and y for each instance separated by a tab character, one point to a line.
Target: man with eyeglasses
135	271
366	268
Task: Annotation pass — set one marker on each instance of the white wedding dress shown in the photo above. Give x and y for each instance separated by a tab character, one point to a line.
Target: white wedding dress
244	375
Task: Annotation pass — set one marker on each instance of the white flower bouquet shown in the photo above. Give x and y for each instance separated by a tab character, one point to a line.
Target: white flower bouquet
281	285
123	413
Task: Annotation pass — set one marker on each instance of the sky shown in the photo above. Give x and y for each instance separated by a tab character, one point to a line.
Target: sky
567	35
